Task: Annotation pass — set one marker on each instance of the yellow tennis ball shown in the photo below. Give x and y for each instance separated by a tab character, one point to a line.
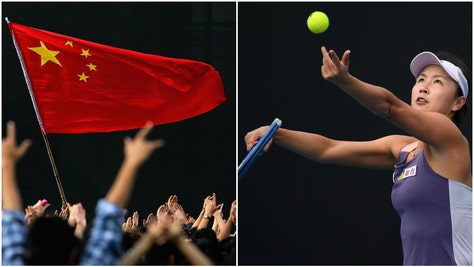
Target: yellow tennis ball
318	22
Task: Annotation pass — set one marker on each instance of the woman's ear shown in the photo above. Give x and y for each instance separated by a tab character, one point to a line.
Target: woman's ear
460	102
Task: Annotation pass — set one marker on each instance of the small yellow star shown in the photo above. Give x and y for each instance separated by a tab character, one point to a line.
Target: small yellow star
92	66
83	77
69	43
46	55
85	53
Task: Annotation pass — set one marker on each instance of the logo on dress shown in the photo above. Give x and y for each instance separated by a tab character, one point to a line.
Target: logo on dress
408	172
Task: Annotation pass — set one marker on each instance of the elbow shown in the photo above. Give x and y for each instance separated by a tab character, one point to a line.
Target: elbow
383	112
384	103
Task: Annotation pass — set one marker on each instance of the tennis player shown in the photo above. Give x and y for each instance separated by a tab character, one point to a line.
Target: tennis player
432	189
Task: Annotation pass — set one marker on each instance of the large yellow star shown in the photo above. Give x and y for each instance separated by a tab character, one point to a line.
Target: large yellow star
46	55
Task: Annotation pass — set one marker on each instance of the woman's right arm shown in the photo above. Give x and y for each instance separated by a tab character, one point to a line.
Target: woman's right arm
380	153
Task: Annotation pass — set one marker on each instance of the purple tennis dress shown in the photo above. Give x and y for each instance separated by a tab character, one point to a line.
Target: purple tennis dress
435	212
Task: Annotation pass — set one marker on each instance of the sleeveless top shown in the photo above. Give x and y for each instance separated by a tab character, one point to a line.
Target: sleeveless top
435	213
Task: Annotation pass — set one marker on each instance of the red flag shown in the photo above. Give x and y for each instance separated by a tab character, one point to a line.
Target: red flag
80	86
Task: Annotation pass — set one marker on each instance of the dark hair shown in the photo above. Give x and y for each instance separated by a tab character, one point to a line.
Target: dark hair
458	61
51	241
161	254
206	240
228	248
129	238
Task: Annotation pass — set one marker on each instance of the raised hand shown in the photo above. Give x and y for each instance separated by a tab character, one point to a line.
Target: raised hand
11	153
138	149
333	69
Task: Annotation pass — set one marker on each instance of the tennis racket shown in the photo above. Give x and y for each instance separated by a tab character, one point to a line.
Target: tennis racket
258	147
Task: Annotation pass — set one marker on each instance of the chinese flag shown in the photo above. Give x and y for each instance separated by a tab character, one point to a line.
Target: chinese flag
83	87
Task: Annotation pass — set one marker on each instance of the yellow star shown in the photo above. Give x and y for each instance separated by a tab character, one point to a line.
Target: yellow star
69	43
46	55
85	53
83	77
92	66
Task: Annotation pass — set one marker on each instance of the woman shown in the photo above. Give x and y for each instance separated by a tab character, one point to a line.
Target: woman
432	178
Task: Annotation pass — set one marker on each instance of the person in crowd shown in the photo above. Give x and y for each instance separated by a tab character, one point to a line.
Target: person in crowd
104	243
150	249
37	210
61	238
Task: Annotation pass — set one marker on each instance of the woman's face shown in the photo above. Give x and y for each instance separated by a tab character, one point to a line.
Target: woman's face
435	91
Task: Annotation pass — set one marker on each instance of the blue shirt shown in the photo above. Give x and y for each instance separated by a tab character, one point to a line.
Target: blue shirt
13	237
104	246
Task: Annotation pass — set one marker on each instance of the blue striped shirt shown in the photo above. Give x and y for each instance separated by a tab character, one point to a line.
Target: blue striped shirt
104	246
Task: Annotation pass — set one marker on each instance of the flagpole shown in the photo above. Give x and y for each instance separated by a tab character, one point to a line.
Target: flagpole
40	122
55	171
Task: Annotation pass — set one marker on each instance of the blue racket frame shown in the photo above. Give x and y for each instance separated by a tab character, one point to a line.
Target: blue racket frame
258	147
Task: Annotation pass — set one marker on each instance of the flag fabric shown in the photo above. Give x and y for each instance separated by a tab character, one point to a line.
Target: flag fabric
79	86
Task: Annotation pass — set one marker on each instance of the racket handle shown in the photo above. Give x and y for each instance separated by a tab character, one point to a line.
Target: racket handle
258	146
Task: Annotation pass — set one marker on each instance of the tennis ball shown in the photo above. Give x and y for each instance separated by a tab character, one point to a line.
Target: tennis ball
318	22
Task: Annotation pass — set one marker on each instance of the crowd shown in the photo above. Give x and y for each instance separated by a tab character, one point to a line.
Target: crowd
32	236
